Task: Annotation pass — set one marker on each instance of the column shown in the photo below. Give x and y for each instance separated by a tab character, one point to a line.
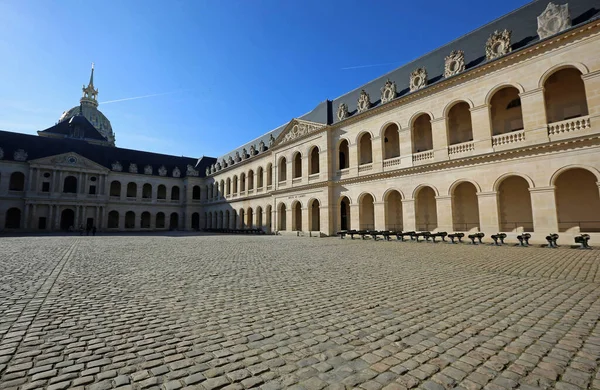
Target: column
488	212
57	217
379	215
406	147
443	205
534	116
97	218
288	219
543	205
305	225
409	221
26	217
592	92
354	216
50	215
77	223
30	180
84	216
34	219
58	187
482	128
324	221
439	136
377	154
353	160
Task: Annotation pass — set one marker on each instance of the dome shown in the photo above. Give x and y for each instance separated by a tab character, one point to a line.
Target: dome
92	114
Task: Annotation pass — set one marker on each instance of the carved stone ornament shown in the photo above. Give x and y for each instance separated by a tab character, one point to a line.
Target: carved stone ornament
498	44
418	79
224	164
133	168
162	171
212	168
116	166
553	20
271	140
244	154
176	172
342	112
237	157
207	171
252	150
1	154
218	167
261	147
388	91
20	155
230	161
191	171
148	169
299	130
364	101
455	63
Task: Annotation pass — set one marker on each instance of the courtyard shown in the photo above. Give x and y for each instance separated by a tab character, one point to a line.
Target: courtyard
236	312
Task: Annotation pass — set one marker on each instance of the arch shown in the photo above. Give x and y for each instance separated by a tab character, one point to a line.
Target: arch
426	208
343	149
160	220
222	187
175	193
259	217
242	182
313	165
221	221
13	218
555	175
459	122
453	103
235	184
250	180
492	92
67	220
115	188
174	221
366	211
161	192
259	177
209	221
505	110
242	214
281	216
269	223
228	220
269	174
365	148
550	71
16	181
196	193
459	181
390	141
421	133
147	191
297	165
131	190
344	203
465	205
196	221
415	116
514	204
421	186
145	220
393	210
113	220
314	215
228	189
70	185
129	220
249	218
577	200
389	191
564	95
282	168
499	180
297	216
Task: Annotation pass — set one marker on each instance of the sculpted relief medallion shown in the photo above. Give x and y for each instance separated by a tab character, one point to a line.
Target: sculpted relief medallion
364	101
133	168
498	44
388	91
342	112
162	171
553	20
148	170
191	171
117	167
455	63
176	172
418	79
20	155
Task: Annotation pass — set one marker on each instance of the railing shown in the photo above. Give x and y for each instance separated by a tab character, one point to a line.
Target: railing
296	180
581	226
145	199
516	226
269	187
365	167
461	148
314	176
343	172
250	191
566	126
131	198
242	193
391	162
422	156
259	190
282	183
234	195
508	138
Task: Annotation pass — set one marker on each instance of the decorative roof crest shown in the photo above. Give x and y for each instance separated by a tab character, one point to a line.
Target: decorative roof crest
364	101
388	91
553	20
162	171
191	171
117	167
271	141
244	154
454	63
418	79
342	112
176	172
148	170
133	168
237	157
20	155
498	44
252	150
261	146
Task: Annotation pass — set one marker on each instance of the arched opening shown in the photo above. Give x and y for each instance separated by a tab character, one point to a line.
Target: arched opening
268	218
175	193
235	184
221	226
115	188
426	208
196	193
113	220
222	188
161	192
259	217
67	220
269	174
242	182
210	220
234	220
345	214
577	201
145	221
564	95
365	149
282	169
249	217
314	215
17	182
366	212
228	190
13	218
174	221
131	190
228	220
460	127
465	207
343	155
422	138
515	205
505	111
314	161
70	185
297	165
259	177
160	220
391	141
250	180
129	220
242	218
393	211
296	216
196	221
147	191
282	214
216	190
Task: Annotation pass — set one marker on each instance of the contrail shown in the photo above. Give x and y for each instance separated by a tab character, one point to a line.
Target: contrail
140	97
368	66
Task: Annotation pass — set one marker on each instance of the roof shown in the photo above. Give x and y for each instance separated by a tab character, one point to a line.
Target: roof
39	147
64	128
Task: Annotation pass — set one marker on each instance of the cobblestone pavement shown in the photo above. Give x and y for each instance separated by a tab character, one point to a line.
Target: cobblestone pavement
236	312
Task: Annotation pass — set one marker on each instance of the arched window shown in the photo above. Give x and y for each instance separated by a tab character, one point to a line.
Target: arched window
365	149
426	209
175	193
282	216
269	174
297	165
228	191
196	221
145	221
514	205
505	111
250	180
222	188
161	193
17	182
259	177
343	155
460	127
564	95
282	169
131	190
422	138
70	185
242	182
391	141
160	220
115	188
129	220
147	191
113	220
314	161
196	193
366	212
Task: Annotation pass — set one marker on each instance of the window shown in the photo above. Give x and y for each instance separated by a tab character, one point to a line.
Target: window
46	186
92	190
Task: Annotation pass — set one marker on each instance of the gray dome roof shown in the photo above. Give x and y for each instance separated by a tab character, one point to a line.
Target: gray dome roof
95	116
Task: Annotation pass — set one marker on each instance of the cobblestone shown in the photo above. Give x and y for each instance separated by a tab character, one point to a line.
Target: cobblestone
277	312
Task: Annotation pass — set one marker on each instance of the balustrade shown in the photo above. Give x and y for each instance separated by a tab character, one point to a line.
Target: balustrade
508	138
423	156
569	125
461	148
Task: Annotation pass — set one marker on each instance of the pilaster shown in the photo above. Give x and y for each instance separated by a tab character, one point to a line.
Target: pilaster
354	216
379	215
533	110
488	211
482	128
444	213
439	135
409	221
543	207
591	82
305	226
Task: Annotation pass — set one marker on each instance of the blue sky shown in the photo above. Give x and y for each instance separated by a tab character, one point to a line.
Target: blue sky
226	71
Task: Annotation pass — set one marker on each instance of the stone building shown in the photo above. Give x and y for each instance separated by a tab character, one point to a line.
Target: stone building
495	131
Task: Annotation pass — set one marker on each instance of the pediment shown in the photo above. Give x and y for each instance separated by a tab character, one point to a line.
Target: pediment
68	160
297	128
